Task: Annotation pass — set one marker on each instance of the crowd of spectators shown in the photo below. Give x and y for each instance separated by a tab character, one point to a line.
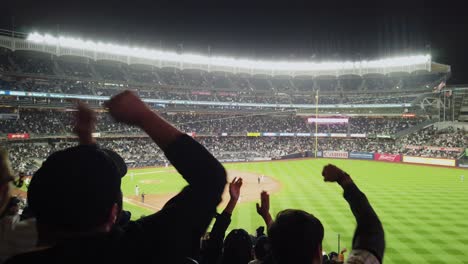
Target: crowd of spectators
36	72
32	62
57	122
93	227
420	143
225	136
138	152
101	88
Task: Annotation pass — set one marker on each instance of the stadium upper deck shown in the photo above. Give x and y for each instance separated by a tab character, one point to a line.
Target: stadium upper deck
42	63
95	50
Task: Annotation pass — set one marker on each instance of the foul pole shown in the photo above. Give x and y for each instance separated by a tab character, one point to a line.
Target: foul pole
316	123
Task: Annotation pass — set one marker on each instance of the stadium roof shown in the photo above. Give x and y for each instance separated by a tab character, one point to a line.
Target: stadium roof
96	50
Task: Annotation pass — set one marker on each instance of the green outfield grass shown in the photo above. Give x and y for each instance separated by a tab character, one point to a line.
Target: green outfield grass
424	210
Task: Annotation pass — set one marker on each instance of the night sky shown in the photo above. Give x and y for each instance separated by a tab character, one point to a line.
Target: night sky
357	30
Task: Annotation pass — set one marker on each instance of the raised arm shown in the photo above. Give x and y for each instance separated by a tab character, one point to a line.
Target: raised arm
128	108
85	124
264	208
190	158
369	234
185	218
214	245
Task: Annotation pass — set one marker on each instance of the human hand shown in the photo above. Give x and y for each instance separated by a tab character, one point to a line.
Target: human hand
234	188
85	123
264	208
331	173
128	108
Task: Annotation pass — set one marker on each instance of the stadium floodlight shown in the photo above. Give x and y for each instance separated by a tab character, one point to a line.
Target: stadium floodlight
189	58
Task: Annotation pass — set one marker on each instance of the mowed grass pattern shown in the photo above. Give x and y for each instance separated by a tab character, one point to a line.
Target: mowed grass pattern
424	210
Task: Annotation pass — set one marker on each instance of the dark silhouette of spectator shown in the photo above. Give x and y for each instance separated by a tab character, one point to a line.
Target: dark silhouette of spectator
237	248
213	246
260	231
77	224
16	235
262	250
296	236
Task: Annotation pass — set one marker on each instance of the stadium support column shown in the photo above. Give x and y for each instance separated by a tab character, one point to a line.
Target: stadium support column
316	123
453	107
445	106
440	105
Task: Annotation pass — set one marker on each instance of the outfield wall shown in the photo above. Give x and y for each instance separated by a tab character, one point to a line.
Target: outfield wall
381	157
430	161
384	157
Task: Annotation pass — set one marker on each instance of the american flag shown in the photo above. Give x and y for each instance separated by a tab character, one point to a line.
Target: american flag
439	87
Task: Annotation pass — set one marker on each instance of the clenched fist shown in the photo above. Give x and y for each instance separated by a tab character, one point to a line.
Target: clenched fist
127	107
85	119
331	173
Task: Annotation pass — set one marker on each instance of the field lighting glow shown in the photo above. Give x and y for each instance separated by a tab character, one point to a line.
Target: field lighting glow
154	54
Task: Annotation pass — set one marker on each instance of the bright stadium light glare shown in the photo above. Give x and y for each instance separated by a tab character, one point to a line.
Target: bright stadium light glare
189	58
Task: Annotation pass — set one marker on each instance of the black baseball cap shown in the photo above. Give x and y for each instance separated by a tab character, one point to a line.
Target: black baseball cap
75	188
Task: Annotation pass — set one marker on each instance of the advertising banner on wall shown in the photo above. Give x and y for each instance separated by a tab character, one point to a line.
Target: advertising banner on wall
358	135
18	136
322	120
338	135
387	157
320	134
361	155
383	136
448	149
430	161
335	154
413	147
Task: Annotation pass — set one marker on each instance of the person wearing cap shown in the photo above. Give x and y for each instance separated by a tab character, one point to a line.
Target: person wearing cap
77	224
16	236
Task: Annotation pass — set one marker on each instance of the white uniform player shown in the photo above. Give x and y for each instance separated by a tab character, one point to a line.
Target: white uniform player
462	178
137	190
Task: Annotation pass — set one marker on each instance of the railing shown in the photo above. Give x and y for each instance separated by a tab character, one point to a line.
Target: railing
202	103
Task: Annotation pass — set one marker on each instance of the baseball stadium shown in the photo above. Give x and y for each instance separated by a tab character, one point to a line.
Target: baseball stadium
391	123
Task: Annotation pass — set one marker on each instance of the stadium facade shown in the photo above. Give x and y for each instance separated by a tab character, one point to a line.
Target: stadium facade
258	108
